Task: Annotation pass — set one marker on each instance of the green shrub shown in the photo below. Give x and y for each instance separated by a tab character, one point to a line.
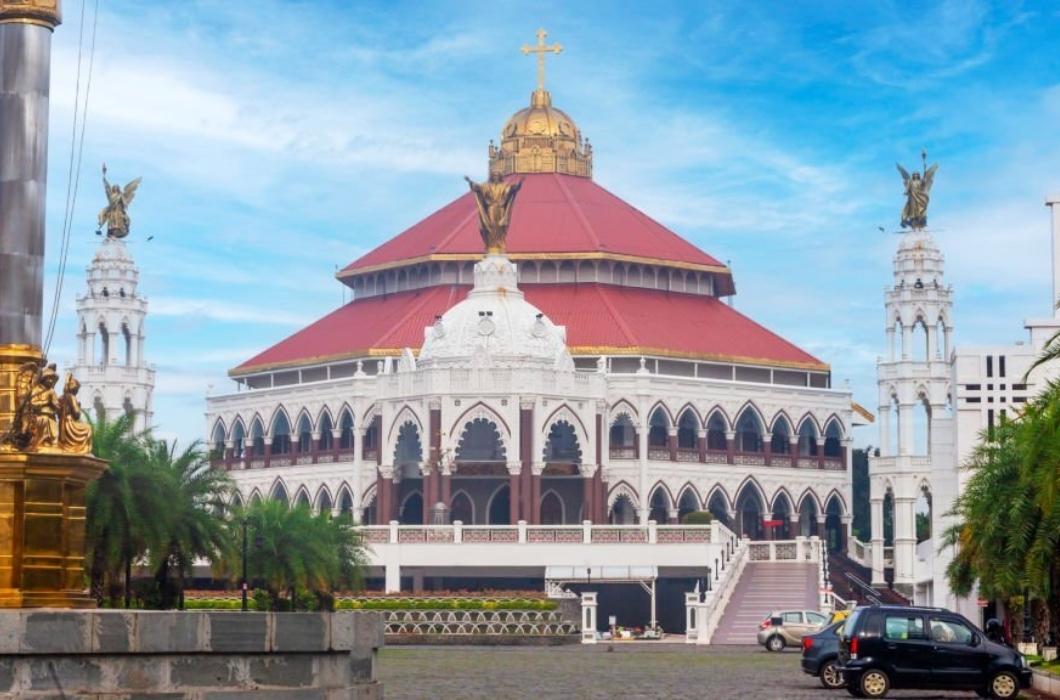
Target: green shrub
698	517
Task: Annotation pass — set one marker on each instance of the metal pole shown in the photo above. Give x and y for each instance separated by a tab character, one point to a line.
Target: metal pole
653	604
244	565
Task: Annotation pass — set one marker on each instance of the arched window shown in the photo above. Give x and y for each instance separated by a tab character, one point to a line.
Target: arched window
127	337
281	435
660	506
781	442
808	516
462	509
923	514
412	509
919	340
104	345
833	439
716	433
562	444
327	440
782	512
279	493
749	512
623	434
346	504
552	509
257	436
623	511
749	432
237	502
499	510
324	502
688	503
305	434
217	442
346	431
302	501
807	439
480	442
409	449
922	425
658	428
239	437
688	430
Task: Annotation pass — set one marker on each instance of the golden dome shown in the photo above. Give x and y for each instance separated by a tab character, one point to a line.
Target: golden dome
541	139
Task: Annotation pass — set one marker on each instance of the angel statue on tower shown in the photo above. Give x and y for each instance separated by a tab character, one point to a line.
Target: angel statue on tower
116	214
917	194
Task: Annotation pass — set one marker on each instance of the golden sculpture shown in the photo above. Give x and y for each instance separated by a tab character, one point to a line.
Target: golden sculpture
917	194
494	199
45	13
541	49
40	417
116	214
75	435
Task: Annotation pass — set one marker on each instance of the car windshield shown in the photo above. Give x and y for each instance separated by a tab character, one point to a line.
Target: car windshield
849	625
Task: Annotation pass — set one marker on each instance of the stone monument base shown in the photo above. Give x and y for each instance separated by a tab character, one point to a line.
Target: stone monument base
191	655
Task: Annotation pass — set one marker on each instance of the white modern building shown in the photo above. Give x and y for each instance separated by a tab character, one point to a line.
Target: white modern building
111	365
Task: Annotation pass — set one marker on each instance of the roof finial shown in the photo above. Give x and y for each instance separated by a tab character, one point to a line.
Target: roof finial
541	49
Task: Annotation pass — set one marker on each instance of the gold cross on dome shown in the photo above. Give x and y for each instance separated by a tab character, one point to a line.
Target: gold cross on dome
541	49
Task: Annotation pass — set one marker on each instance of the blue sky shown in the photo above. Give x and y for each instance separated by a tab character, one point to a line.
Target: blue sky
280	139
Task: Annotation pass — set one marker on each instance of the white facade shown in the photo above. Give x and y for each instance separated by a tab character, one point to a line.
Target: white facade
495	423
111	365
968	391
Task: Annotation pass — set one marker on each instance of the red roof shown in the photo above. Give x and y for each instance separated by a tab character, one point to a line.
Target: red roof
600	318
553	215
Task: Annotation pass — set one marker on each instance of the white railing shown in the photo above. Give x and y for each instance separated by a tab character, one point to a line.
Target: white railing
704	611
523	533
801	550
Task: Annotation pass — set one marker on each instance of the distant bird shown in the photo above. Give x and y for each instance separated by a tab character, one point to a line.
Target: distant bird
150	238
98	232
882	230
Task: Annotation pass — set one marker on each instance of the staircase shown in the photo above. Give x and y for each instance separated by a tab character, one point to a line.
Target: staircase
763	588
850	581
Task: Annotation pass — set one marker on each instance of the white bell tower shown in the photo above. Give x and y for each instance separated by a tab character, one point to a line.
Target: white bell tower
916	428
114	375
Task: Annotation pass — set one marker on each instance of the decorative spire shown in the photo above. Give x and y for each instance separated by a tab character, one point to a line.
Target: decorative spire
541	49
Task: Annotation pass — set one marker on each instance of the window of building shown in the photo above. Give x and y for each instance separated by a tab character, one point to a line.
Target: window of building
990	365
973	399
1001	366
973	387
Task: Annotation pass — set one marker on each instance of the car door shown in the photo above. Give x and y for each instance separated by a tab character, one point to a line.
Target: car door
960	656
794	627
906	649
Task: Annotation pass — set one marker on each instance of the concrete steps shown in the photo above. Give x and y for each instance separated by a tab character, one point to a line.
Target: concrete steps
764	587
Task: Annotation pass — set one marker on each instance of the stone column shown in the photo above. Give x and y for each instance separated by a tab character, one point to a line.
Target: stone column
588	494
820	453
601	497
876	506
701	444
767	448
434	456
314	446
819	529
671	516
904	542
905	428
593	484
845	522
535	493
730	446
428	492
766	528
793	448
671	443
385	494
526	458
336	438
515	470
248	452
268	451
447	480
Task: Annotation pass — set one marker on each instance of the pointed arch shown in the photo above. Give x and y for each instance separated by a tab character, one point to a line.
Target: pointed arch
835	497
323	500
239	437
498	506
751	486
689	489
325	411
833	437
462	507
660	503
255	497
303	431
301	498
553	510
280	417
410	512
564	412
809	493
622	488
689	406
808	433
718	491
661	405
481	414
257	436
236	501
345	428
218	438
620	408
750	507
562	445
689	424
622	504
782	497
279	492
782	417
405	415
280	431
325	426
687	501
717	430
750	429
659	423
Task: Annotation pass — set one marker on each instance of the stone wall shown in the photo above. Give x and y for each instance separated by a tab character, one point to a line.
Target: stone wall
192	655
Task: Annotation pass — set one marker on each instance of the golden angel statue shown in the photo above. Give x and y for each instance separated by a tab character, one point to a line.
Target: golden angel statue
75	435
116	214
917	194
41	414
494	198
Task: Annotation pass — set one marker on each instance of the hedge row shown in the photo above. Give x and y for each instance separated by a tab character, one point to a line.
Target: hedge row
389	604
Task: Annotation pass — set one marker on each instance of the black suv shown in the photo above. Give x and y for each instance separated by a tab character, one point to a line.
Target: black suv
889	646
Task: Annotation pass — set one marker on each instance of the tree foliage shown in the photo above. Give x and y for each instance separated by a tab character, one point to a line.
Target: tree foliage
1006	535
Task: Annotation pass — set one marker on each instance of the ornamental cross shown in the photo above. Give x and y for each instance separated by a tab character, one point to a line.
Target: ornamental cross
541	49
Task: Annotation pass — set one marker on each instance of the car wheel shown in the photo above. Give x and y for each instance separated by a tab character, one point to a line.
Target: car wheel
775	643
874	683
1004	686
831	677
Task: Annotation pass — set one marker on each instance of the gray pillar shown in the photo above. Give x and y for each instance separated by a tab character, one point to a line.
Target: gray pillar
25	68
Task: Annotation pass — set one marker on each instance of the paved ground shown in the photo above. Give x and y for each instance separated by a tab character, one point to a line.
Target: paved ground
591	672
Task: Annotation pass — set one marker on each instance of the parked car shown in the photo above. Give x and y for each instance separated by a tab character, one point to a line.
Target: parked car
889	646
787	627
820	655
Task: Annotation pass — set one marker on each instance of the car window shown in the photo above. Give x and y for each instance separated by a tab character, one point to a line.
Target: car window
815	618
792	618
949	631
903	627
851	624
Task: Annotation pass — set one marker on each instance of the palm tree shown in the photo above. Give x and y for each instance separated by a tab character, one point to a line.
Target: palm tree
122	505
294	550
194	526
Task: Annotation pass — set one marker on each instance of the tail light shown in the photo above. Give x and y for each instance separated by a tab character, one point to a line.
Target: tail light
807	643
768	622
854	647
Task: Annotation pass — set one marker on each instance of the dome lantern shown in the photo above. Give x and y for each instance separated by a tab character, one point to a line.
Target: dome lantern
541	138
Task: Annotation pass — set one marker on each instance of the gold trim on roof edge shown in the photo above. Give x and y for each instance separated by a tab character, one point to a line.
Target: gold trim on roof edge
591	255
574	350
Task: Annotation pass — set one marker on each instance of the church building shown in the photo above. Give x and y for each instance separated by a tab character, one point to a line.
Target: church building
590	369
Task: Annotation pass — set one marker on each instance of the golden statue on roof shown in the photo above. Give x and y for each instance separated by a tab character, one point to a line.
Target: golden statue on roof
116	214
917	194
494	199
